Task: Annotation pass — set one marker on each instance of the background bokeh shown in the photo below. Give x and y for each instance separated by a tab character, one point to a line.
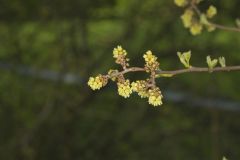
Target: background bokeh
49	48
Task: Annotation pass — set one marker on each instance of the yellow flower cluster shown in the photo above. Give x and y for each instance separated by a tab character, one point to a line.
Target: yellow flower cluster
187	18
149	57
97	82
120	54
196	28
144	88
155	97
151	61
212	11
119	51
180	3
124	89
196	22
141	88
189	22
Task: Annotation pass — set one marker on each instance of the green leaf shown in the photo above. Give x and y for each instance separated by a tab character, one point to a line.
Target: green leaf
238	23
211	63
224	158
164	75
185	58
222	61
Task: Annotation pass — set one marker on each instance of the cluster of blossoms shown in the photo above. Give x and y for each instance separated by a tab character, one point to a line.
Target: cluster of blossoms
120	55
124	88
144	88
97	82
193	19
151	63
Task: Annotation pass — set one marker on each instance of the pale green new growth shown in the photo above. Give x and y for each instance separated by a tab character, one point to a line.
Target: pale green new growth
211	63
185	58
164	75
224	158
222	61
238	23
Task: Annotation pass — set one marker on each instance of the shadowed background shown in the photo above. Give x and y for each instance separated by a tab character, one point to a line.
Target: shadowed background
48	49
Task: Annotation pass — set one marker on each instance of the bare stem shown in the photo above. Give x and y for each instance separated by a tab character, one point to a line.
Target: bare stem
201	69
181	71
234	29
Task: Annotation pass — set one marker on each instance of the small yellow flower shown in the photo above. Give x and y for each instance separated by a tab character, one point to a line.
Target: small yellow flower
119	51
134	86
155	97
196	29
149	57
212	11
180	3
140	87
97	82
151	62
143	94
187	18
124	89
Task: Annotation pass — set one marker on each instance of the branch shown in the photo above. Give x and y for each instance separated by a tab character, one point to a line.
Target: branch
180	71
219	26
170	95
201	69
234	29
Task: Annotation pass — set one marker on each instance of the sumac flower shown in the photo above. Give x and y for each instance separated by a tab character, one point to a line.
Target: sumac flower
211	12
124	88
155	97
187	18
196	29
180	3
97	82
140	87
119	52
151	63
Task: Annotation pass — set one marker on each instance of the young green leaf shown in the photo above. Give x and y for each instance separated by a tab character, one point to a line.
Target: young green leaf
224	158
238	23
185	58
222	61
211	63
164	75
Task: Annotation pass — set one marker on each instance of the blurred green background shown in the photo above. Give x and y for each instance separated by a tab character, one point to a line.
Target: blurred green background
49	48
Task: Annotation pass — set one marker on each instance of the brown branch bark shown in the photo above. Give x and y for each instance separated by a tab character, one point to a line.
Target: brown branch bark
181	71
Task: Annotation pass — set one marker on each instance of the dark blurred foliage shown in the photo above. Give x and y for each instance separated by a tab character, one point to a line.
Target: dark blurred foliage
44	119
